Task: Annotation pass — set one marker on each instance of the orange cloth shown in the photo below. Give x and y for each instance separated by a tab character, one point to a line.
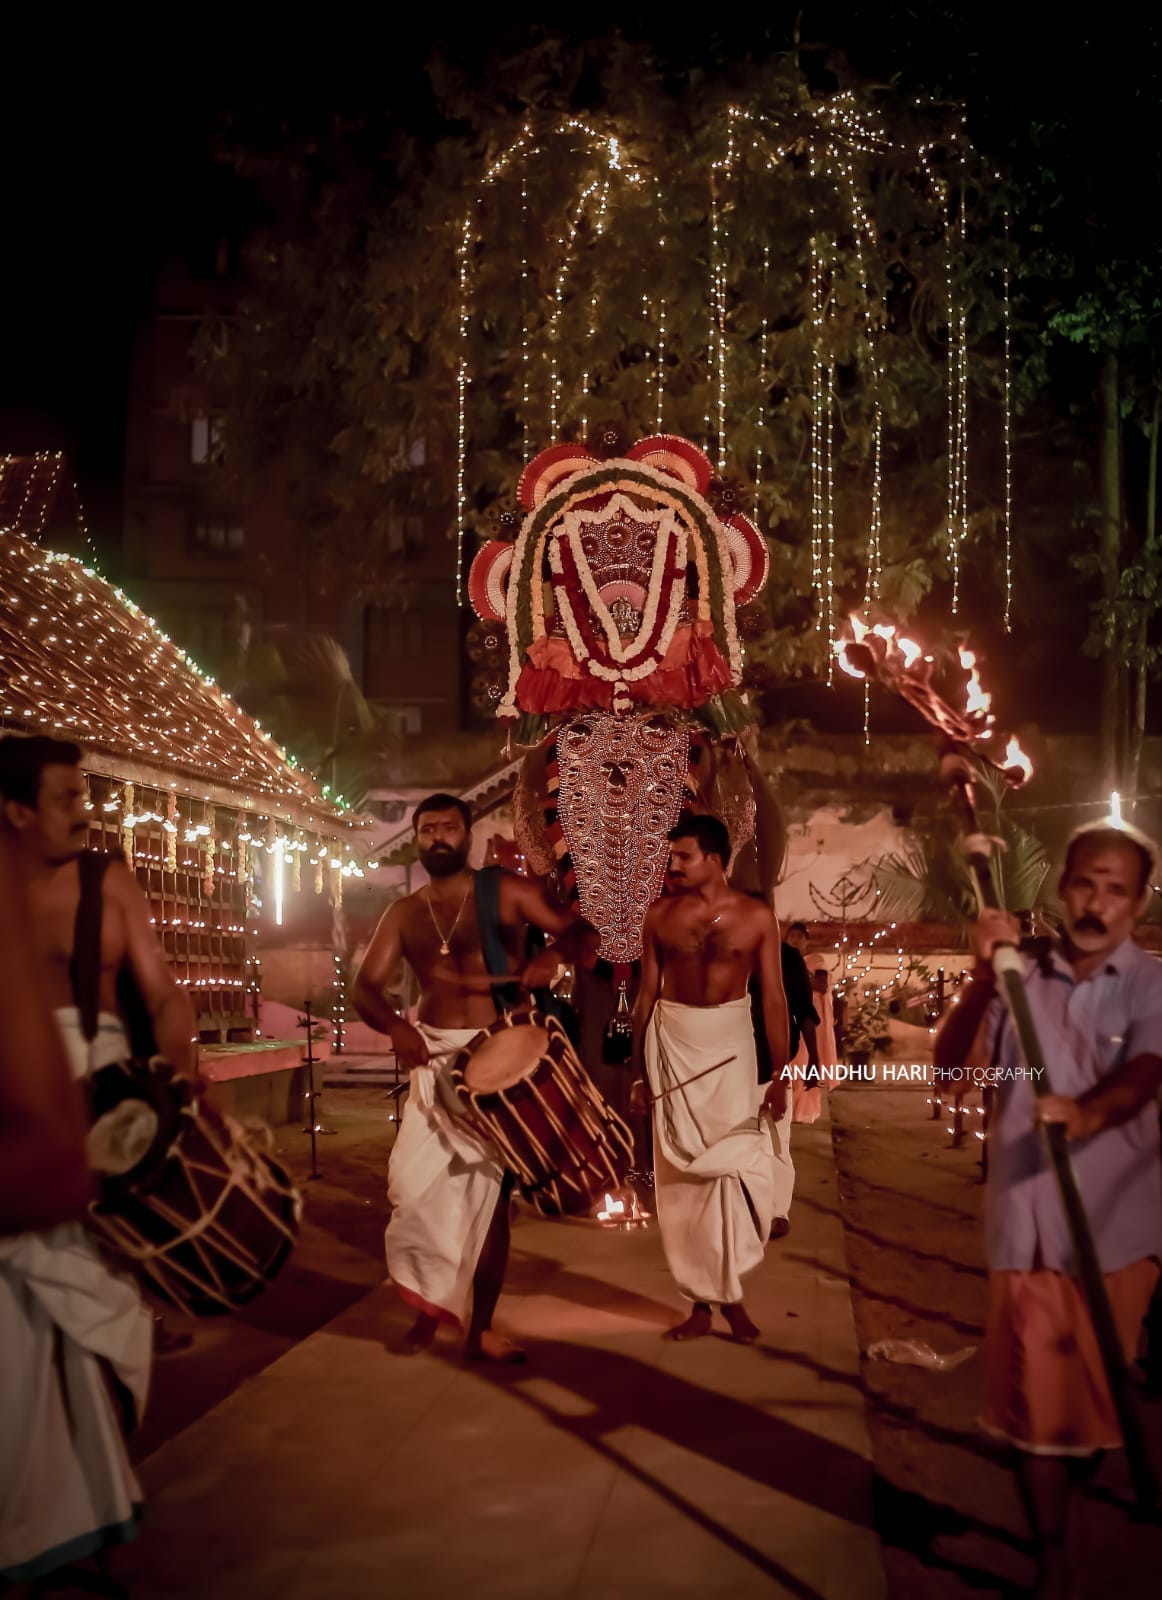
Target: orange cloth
1045	1387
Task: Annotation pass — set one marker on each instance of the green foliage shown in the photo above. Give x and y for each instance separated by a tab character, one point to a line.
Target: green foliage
929	880
300	684
865	1025
347	349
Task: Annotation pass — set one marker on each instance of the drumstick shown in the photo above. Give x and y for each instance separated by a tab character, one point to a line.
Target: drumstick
706	1071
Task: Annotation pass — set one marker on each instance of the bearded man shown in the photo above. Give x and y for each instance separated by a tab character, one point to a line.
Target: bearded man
448	1237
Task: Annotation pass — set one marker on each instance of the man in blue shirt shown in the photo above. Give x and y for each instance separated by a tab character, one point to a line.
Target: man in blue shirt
1096	1000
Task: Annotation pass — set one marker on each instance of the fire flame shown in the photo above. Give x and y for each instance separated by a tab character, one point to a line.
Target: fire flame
841	657
1015	757
891	660
977	700
617	1211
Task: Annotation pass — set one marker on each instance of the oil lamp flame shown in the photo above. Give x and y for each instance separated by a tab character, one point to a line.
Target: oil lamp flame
617	1213
910	651
1015	757
859	628
885	631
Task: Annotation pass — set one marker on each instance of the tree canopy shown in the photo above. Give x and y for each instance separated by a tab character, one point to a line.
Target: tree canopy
806	257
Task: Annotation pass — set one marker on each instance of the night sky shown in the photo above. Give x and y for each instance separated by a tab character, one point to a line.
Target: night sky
107	165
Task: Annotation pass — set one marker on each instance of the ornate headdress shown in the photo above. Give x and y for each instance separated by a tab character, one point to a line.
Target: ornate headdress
622	584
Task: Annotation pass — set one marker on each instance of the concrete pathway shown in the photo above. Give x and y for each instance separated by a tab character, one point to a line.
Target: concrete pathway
613	1465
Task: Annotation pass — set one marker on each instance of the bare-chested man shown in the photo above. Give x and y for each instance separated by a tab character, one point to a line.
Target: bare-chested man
68	1326
447	1240
713	1157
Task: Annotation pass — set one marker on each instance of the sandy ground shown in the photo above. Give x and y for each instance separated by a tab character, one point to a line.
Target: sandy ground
946	1506
948	1512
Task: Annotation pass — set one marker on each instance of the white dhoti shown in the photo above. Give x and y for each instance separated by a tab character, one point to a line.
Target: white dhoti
443	1183
782	1166
713	1164
66	1321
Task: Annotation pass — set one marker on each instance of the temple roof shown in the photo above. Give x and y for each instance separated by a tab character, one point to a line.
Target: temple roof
78	660
39	499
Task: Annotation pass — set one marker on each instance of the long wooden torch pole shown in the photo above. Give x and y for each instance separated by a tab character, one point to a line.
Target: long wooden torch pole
1008	968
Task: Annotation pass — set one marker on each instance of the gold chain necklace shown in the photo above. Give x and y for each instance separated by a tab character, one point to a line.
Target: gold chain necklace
444	938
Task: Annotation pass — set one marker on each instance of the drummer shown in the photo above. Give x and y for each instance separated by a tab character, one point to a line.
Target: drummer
448	1237
77	1338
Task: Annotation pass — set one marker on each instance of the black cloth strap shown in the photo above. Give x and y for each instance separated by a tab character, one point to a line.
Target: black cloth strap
486	887
85	965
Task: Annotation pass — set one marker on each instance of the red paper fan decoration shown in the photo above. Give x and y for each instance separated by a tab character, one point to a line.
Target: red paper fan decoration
545	471
488	580
677	456
749	557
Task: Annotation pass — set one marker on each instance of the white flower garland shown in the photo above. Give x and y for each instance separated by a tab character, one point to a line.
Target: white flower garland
667	535
662	485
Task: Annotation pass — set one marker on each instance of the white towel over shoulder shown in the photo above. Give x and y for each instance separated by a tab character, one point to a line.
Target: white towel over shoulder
713	1159
443	1182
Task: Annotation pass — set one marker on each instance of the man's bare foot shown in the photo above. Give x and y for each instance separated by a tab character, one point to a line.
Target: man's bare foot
419	1336
696	1325
742	1329
493	1346
780	1228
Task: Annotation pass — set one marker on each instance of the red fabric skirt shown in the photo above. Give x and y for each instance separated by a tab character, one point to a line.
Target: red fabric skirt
1045	1387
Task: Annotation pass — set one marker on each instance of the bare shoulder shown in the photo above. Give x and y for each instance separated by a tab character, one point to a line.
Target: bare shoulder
120	885
400	912
753	912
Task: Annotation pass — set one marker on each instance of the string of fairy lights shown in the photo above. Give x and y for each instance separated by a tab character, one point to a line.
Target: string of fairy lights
28	494
79	660
1007	416
843	239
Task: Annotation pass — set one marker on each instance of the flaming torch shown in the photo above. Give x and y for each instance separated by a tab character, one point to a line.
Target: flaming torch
878	654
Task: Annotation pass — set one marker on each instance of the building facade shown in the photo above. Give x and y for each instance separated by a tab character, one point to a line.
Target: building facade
219	576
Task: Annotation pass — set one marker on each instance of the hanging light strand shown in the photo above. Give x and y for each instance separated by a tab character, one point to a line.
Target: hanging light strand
661	349
553	354
712	331
1007	313
524	313
815	426
764	354
463	376
829	519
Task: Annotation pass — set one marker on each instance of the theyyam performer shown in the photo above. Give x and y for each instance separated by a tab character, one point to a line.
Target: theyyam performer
464	936
714	1169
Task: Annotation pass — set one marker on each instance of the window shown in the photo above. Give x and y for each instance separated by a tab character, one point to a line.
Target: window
404	533
217	539
205	440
